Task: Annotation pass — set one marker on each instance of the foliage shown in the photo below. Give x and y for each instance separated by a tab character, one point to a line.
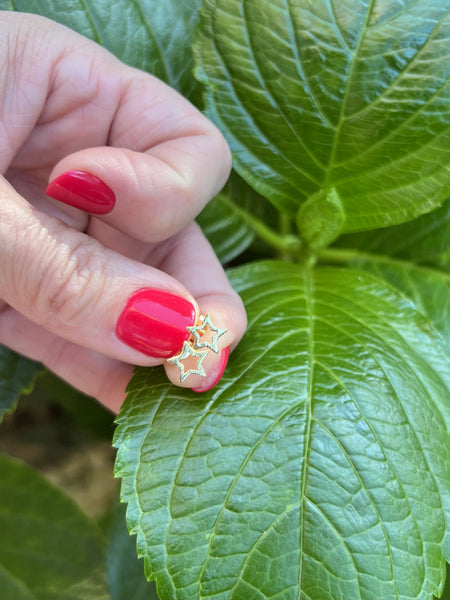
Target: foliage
48	548
17	375
319	466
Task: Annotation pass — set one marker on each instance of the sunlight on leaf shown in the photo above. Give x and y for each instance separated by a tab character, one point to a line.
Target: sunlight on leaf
328	94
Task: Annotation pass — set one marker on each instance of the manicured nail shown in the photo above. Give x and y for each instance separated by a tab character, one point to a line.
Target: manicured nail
154	322
84	191
219	371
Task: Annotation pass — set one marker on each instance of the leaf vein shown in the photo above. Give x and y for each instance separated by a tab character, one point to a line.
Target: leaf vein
401	74
276	105
270	144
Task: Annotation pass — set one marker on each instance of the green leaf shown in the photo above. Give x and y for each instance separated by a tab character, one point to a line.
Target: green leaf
226	223
328	94
318	467
49	550
226	231
424	241
414	257
321	219
125	571
17	376
152	35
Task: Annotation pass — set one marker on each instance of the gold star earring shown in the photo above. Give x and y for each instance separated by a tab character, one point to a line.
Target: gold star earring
200	330
204	337
187	354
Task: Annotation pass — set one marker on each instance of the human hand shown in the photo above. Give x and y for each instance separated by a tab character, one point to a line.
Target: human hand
142	161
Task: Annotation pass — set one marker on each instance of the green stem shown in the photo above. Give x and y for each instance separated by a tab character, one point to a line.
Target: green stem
285	224
284	243
339	256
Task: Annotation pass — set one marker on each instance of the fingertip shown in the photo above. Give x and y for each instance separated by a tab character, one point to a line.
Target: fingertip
216	373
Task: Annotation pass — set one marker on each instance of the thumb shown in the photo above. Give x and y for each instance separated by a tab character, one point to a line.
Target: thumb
72	286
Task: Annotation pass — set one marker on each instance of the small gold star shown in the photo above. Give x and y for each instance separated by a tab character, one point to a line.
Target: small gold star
200	330
186	353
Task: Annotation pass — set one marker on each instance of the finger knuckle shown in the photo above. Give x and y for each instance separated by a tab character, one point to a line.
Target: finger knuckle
72	282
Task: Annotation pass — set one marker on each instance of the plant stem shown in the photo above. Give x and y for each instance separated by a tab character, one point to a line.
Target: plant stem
340	256
284	243
285	224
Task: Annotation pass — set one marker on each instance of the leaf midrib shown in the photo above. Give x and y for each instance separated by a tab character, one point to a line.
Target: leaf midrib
309	300
152	35
341	117
275	148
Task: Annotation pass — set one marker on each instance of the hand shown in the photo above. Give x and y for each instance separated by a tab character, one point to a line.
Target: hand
130	165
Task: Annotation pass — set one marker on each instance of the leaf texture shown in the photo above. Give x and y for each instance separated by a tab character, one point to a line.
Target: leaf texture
150	35
317	468
328	94
415	258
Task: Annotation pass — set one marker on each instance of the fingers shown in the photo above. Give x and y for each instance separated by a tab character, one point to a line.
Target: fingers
127	148
73	287
151	196
69	284
90	372
161	163
192	262
189	258
75	108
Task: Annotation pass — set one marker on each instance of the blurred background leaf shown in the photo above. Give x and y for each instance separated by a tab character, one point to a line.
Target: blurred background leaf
17	376
49	550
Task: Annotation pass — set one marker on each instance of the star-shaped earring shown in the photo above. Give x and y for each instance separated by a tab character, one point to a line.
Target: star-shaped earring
187	352
197	331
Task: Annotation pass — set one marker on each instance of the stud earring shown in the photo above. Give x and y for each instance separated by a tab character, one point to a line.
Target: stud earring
204	337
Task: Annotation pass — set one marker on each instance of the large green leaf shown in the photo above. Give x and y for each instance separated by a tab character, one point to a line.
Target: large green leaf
17	376
319	465
49	550
152	35
414	257
329	95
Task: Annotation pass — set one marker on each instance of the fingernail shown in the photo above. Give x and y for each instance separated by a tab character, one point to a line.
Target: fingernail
154	322
219	371
84	191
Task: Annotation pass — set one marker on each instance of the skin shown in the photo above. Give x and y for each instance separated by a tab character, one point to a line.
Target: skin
67	104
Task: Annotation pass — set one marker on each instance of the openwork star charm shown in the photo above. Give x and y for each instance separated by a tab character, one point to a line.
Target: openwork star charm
202	330
187	354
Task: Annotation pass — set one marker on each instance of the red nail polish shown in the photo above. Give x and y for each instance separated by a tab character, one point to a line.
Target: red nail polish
84	191
154	322
220	369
